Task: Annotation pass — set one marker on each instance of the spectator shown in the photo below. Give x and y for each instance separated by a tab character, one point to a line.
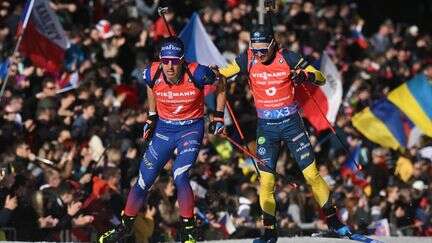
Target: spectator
8	201
80	127
146	10
381	41
379	175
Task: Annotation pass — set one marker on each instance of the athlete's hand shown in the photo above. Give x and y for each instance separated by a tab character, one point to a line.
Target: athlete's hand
217	126
299	76
149	126
214	68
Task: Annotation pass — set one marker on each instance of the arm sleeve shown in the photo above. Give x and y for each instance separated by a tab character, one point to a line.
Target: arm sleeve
203	75
318	77
295	61
147	77
239	65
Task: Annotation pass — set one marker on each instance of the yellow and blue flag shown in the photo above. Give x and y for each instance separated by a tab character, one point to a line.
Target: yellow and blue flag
384	124
414	98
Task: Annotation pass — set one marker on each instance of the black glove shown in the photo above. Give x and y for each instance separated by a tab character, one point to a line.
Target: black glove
217	126
149	127
300	76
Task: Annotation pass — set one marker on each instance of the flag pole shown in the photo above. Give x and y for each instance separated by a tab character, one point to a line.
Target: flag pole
21	30
261	10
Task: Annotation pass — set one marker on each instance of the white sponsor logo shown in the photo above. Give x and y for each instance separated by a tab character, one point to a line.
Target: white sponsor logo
188	150
298	137
302	146
147	163
261	150
163	137
305	155
190	142
171	94
284	112
266	75
170	47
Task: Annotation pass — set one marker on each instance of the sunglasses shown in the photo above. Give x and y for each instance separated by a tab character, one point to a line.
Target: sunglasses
173	60
262	51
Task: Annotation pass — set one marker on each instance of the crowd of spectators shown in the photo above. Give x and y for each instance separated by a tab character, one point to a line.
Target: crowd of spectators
68	159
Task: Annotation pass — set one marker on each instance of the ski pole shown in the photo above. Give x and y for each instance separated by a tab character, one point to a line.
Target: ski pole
242	138
359	167
260	161
162	11
230	110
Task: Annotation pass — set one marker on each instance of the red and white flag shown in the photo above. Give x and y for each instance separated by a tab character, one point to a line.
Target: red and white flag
328	96
44	41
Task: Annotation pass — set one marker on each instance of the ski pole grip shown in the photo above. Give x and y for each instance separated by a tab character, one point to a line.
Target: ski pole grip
162	10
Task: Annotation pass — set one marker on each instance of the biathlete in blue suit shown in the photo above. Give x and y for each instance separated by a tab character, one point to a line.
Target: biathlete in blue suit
176	111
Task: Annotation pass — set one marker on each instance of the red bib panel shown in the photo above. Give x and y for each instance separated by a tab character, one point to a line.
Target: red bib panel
178	102
271	85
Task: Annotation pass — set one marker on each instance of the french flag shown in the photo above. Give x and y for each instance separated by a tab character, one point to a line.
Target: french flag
43	39
328	96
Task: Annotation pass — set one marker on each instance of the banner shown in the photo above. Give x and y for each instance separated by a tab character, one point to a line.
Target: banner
328	96
199	47
384	124
414	98
44	40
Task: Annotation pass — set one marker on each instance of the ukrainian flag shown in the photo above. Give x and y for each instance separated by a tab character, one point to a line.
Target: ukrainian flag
414	98
384	124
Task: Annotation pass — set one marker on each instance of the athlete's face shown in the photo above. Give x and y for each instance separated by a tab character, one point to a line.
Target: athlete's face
262	51
172	68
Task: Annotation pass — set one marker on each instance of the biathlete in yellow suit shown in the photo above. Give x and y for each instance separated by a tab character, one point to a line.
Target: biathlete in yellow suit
272	73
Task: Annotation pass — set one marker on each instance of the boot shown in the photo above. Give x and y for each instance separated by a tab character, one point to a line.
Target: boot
270	230
334	223
121	231
188	231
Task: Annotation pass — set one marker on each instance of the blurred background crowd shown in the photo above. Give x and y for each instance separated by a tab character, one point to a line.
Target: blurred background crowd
69	157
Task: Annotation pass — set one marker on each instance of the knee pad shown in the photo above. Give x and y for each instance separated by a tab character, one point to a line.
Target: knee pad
266	193
319	187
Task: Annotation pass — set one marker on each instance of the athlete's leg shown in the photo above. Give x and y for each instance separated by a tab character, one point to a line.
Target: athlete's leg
188	144
297	139
268	144
157	154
